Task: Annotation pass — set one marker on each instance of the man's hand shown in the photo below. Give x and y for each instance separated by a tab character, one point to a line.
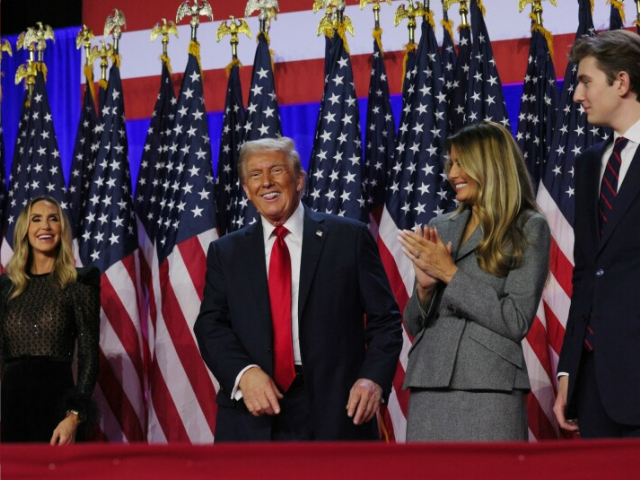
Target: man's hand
259	392
364	400
561	403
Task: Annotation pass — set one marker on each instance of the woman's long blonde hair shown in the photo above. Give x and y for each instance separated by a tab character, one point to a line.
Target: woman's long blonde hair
63	272
488	154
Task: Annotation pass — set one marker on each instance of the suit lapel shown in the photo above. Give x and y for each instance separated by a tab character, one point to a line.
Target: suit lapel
592	194
626	195
455	233
253	261
314	236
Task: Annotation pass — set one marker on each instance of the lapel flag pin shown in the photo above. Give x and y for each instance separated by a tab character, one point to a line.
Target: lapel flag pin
319	233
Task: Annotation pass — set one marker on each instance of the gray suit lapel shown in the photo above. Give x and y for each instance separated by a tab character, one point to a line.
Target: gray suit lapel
455	233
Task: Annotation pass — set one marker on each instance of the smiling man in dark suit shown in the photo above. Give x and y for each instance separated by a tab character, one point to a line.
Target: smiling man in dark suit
298	322
599	366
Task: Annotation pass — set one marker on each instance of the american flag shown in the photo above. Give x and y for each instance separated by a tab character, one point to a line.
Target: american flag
228	192
182	391
571	136
36	168
417	191
153	167
151	175
460	85
108	240
3	180
484	92
262	118
83	162
380	135
537	105
334	182
535	130
448	53
616	18
102	95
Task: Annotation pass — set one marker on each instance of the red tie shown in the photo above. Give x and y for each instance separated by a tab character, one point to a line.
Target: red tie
609	185
280	296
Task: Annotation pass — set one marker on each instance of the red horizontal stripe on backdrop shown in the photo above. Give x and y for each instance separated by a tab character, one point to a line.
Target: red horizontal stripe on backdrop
302	81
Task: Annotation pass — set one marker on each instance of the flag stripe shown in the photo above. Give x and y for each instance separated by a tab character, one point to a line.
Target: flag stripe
163	411
119	315
196	265
123	411
186	350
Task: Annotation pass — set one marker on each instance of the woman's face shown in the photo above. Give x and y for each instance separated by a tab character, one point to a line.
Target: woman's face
44	228
466	188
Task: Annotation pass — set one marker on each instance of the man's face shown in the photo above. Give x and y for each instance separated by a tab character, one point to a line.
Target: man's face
599	99
272	185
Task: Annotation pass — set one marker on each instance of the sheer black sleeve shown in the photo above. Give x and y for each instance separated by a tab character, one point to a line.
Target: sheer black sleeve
86	299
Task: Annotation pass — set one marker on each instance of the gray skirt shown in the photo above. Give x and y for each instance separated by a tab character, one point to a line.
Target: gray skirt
463	415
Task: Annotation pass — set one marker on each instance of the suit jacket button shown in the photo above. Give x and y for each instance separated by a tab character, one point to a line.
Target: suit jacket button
599	272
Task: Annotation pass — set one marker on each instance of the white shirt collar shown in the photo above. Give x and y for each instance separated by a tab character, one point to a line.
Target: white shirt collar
294	224
633	133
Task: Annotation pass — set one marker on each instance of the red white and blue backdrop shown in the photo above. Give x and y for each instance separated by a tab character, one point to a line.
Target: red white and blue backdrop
369	118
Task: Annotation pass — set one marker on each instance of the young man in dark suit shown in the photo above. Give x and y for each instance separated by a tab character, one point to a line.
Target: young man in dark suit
298	322
599	366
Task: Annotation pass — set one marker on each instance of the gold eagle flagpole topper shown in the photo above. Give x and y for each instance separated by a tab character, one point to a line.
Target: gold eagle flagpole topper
5	47
464	11
34	39
164	29
376	10
194	11
83	39
268	9
536	8
104	51
233	28
113	26
410	13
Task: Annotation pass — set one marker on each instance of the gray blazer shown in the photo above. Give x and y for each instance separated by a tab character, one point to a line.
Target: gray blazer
470	336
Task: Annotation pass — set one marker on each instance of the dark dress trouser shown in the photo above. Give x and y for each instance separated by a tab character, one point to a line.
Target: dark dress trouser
593	420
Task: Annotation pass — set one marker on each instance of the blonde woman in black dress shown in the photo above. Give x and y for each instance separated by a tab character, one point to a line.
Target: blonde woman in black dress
47	306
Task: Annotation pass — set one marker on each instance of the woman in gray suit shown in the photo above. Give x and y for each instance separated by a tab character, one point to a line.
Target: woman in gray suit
479	277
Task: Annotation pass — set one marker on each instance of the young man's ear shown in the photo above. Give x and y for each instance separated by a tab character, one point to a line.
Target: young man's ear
624	83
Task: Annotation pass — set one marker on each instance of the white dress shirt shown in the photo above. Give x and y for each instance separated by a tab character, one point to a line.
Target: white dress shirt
633	135
295	225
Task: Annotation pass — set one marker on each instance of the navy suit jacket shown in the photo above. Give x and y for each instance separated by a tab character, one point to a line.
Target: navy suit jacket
606	281
341	280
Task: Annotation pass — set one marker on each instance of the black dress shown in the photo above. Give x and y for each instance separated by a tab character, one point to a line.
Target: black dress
38	334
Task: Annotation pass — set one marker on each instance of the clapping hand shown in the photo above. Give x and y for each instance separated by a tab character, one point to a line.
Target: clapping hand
431	258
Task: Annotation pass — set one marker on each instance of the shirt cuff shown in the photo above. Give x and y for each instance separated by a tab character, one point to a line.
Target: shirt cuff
236	394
